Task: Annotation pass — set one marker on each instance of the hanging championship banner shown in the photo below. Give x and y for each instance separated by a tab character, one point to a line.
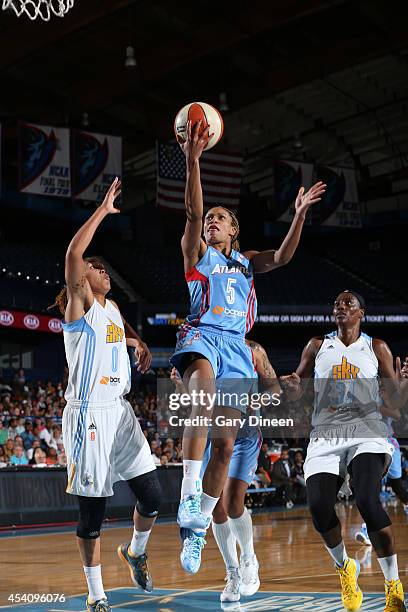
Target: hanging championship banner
97	160
339	205
290	176
44	160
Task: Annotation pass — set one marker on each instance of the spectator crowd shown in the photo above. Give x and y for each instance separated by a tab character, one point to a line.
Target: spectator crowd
31	422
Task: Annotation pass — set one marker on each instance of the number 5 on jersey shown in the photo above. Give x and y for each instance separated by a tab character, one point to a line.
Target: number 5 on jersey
231	290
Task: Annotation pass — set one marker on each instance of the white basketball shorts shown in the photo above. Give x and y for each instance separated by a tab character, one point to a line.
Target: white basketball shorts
104	443
333	455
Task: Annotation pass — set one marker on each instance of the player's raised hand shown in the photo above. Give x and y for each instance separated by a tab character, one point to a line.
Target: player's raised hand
113	192
196	141
305	200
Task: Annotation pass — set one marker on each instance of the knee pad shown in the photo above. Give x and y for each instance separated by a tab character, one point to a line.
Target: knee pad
367	471
370	508
91	515
148	492
322	496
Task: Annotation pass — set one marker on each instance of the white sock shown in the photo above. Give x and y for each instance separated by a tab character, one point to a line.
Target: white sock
208	504
227	543
139	541
338	554
389	566
191	484
242	529
94	579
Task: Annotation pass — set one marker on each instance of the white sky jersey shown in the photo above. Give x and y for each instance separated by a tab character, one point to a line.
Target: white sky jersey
346	382
98	362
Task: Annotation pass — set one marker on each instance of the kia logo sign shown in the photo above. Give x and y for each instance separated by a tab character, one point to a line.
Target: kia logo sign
31	321
54	325
6	318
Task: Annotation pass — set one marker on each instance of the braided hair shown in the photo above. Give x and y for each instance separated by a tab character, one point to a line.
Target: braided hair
235	225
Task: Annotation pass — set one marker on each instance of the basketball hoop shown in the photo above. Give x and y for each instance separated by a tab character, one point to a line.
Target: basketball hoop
42	9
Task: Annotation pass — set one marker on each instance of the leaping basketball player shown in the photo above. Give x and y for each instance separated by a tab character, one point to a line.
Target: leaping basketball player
349	435
232	522
102	436
211	344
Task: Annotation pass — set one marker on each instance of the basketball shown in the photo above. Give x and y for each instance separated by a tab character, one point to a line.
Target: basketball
196	111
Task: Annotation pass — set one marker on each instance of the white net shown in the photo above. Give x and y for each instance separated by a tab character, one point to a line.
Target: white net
42	9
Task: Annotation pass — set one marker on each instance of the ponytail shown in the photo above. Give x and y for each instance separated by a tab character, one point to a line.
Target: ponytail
61	301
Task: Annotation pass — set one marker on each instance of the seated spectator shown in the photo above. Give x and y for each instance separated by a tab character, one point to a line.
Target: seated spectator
179	452
12	428
30	452
282	478
20	425
46	433
157	453
169	448
18	441
18	457
164	459
27	435
9	450
3	432
62	459
264	465
39	458
3	458
299	478
56	438
52	458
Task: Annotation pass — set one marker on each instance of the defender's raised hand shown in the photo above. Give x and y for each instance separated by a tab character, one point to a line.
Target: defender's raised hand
113	192
305	200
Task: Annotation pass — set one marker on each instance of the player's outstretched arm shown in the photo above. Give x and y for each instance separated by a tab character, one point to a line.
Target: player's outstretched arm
192	245
265	261
78	288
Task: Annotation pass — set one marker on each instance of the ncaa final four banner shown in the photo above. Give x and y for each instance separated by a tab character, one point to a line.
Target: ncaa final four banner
97	160
44	160
340	205
290	176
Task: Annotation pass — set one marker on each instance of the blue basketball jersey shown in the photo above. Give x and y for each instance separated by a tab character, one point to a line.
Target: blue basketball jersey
222	292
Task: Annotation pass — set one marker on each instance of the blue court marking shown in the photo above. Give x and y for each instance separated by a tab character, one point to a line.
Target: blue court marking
172	600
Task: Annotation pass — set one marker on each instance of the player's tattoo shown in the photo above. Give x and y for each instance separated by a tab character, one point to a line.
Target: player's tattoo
79	285
269	372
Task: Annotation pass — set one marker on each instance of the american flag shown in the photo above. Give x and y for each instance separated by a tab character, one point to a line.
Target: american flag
221	174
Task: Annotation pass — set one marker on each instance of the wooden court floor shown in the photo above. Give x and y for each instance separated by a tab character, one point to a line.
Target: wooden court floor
291	556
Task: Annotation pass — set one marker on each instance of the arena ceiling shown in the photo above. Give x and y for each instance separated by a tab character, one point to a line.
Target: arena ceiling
325	80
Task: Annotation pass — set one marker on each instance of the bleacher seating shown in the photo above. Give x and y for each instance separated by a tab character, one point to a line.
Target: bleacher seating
309	279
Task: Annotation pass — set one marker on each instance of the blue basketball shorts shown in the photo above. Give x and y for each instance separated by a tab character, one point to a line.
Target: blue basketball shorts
230	357
244	460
